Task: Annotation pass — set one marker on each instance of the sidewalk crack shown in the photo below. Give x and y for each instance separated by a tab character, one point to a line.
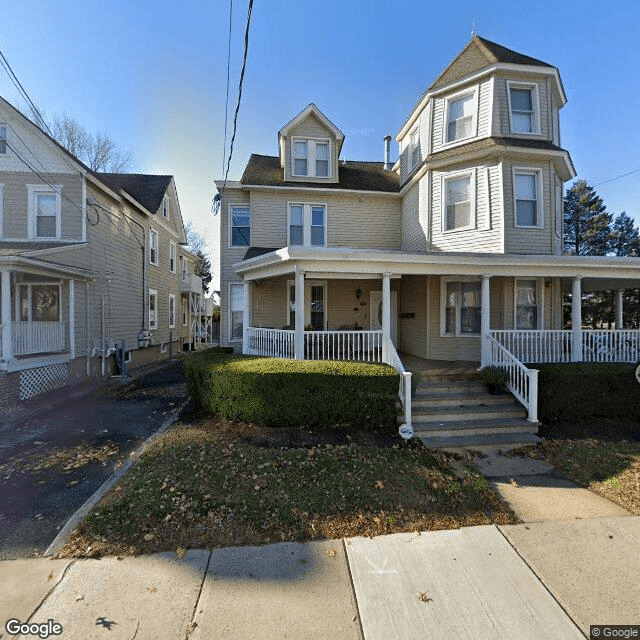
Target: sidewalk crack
64	573
195	608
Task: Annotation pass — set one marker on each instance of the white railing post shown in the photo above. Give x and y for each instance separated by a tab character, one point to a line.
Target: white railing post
386	314
6	316
533	395
619	309
246	317
576	320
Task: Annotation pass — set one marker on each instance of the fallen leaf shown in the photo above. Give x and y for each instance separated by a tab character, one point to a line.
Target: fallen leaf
379	484
50	576
152	589
180	551
149	537
423	597
513	482
332	553
81	597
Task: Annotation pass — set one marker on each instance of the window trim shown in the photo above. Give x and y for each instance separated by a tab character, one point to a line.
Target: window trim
306	222
539	302
173	249
539	196
307	298
473	222
311	157
152	293
154	233
32	226
172	298
230	214
473	91
231	338
535	104
443	307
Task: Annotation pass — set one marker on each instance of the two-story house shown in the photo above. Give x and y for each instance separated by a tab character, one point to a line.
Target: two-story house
93	266
452	253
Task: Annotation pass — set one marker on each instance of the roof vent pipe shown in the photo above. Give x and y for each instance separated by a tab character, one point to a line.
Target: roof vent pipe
387	153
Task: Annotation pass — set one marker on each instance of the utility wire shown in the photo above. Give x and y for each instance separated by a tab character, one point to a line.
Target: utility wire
235	117
226	103
617	177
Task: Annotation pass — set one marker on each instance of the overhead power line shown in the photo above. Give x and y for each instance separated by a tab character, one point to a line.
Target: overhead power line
226	102
235	117
624	175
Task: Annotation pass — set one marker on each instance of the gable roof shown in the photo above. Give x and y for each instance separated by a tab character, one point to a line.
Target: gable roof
311	109
478	54
146	189
353	175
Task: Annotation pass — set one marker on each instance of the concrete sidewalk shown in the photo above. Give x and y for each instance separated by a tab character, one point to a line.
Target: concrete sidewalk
543	580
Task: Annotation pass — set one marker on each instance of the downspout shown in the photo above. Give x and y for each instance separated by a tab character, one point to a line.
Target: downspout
103	350
86	289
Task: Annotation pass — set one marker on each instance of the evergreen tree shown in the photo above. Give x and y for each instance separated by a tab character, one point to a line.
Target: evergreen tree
587	223
625	238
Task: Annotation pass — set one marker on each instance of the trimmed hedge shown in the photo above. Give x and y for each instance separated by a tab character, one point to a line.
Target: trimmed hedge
277	392
578	393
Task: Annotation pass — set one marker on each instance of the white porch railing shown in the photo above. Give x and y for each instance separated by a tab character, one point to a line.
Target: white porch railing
611	346
365	346
557	346
274	343
536	346
404	389
38	337
523	382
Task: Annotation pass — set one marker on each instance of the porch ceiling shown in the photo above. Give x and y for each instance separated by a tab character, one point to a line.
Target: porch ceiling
367	263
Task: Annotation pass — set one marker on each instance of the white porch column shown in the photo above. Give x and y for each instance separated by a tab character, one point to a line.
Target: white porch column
619	309
485	321
7	350
246	316
576	320
72	318
299	315
386	314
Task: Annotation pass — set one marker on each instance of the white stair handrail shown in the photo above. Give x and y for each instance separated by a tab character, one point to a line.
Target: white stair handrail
404	390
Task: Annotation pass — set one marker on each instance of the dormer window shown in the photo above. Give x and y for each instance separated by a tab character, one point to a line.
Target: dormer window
523	108
311	158
460	117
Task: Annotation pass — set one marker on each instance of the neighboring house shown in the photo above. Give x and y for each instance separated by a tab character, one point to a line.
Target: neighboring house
93	266
452	253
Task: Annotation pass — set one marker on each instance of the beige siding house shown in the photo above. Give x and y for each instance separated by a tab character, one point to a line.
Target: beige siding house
93	266
452	253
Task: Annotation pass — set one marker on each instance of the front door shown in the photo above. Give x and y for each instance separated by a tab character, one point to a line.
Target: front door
376	314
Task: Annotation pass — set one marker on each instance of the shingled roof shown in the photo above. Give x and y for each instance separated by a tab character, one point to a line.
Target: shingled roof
358	176
148	190
487	143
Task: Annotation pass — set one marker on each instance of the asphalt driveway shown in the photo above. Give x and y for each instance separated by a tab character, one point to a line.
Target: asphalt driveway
57	451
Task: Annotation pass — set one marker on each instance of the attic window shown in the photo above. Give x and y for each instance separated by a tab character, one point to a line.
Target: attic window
311	158
165	207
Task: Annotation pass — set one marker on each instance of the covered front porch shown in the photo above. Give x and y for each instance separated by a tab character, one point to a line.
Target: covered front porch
37	314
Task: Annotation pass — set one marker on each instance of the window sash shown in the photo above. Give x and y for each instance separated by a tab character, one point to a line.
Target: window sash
322	159
300	157
460	118
240	226
458	203
526	304
523	109
526	196
415	148
153	309
307	224
46	215
462	308
3	139
172	258
172	311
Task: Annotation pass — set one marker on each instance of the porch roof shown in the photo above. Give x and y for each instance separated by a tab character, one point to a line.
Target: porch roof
41	267
344	262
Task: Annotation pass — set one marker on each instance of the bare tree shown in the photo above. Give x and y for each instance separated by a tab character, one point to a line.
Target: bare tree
100	152
197	244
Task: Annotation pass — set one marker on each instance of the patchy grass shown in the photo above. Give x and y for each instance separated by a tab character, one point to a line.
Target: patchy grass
212	483
610	467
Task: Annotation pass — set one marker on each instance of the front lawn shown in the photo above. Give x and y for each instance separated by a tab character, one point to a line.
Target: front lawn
210	482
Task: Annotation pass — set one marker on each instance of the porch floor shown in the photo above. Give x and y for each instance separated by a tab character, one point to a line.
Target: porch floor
438	367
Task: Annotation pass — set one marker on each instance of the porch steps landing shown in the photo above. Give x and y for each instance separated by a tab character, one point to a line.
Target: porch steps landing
453	410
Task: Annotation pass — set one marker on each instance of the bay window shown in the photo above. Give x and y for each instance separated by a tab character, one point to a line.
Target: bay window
458	202
460	117
523	108
527	197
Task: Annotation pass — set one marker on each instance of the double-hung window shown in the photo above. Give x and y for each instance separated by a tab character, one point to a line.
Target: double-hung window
240	225
311	158
460	117
236	311
458	211
523	108
526	304
165	207
45	209
172	256
415	147
461	307
153	309
307	225
3	139
172	310
527	198
153	247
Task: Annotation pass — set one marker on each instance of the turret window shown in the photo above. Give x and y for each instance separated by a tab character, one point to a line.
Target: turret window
460	117
523	108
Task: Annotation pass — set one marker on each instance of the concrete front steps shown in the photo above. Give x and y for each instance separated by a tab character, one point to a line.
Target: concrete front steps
455	411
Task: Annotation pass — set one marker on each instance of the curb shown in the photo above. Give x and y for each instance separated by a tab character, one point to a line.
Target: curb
63	537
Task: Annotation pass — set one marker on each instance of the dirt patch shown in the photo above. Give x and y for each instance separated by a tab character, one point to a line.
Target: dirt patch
210	482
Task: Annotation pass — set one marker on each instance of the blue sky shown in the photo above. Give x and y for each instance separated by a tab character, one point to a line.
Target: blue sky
152	74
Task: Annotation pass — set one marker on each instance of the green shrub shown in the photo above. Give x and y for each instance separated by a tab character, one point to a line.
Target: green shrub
277	392
579	393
